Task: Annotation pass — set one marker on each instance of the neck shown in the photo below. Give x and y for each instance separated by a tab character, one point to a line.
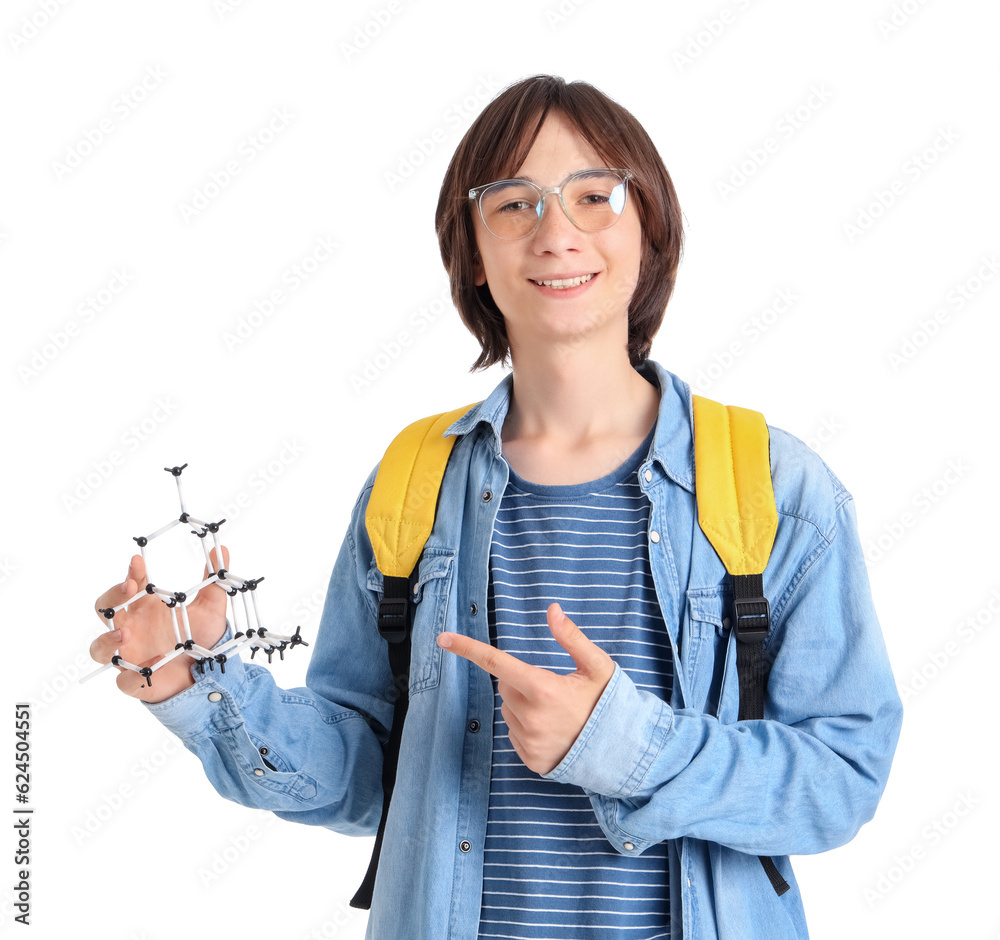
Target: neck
577	396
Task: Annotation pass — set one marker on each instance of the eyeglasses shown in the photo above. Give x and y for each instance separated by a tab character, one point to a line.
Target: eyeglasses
592	200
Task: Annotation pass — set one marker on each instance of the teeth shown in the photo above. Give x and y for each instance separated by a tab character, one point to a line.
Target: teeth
567	282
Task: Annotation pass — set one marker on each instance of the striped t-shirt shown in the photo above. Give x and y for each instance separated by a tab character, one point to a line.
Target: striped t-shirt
550	872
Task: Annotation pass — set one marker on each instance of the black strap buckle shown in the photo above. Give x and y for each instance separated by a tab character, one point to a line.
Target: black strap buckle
752	619
394	618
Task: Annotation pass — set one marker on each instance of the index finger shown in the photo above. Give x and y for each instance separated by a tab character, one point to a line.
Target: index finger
496	662
119	594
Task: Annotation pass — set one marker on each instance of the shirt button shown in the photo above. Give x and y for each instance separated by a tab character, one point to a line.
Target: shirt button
628	846
465	845
473	609
258	772
654	536
214	696
263	750
474	725
648	475
487	496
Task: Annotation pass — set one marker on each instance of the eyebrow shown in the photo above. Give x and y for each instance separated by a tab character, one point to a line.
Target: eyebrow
586	169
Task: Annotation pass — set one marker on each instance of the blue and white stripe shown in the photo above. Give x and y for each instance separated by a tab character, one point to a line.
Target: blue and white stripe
550	873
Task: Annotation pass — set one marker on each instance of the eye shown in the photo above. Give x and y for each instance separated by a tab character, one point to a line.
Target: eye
516	205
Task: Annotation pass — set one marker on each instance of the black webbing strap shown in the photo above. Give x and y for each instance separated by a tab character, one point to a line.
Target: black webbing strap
394	621
752	622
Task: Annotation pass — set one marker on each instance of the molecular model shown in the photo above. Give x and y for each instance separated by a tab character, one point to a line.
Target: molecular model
253	634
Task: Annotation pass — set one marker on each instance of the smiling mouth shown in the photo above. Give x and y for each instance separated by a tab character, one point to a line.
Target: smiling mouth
564	283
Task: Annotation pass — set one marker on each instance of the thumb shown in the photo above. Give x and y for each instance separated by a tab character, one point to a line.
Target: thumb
590	659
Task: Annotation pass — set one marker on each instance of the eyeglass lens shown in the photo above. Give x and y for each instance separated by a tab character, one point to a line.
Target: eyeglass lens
594	200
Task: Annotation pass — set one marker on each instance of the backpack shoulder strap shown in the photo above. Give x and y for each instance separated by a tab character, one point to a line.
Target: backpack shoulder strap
400	513
737	513
399	518
732	466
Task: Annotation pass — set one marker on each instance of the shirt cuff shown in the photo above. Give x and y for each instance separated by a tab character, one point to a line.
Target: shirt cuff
212	704
618	744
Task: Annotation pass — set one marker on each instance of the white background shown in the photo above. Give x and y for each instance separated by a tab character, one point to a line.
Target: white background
280	433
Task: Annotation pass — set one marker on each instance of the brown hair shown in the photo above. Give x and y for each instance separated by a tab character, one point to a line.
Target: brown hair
496	145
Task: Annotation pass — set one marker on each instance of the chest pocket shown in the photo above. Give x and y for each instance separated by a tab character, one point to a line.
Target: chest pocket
707	648
435	575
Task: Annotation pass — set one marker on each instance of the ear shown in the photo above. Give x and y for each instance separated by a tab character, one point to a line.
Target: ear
478	271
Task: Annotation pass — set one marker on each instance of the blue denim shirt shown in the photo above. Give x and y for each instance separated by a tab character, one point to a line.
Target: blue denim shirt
802	780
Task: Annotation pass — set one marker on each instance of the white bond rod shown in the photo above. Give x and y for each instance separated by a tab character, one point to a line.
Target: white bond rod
192	592
173	654
131	600
256	610
161	530
187	624
96	672
180	495
173	620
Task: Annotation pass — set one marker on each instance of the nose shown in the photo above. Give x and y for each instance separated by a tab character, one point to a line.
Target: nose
554	228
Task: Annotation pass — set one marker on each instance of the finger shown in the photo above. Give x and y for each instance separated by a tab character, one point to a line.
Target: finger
130	682
496	662
135	580
215	595
137	571
590	659
214	559
104	646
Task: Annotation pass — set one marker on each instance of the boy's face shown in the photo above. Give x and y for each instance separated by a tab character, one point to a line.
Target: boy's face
558	249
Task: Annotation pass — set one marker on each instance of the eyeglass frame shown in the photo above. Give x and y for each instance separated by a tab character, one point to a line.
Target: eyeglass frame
476	194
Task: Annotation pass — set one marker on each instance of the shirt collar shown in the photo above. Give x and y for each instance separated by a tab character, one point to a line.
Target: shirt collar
672	448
